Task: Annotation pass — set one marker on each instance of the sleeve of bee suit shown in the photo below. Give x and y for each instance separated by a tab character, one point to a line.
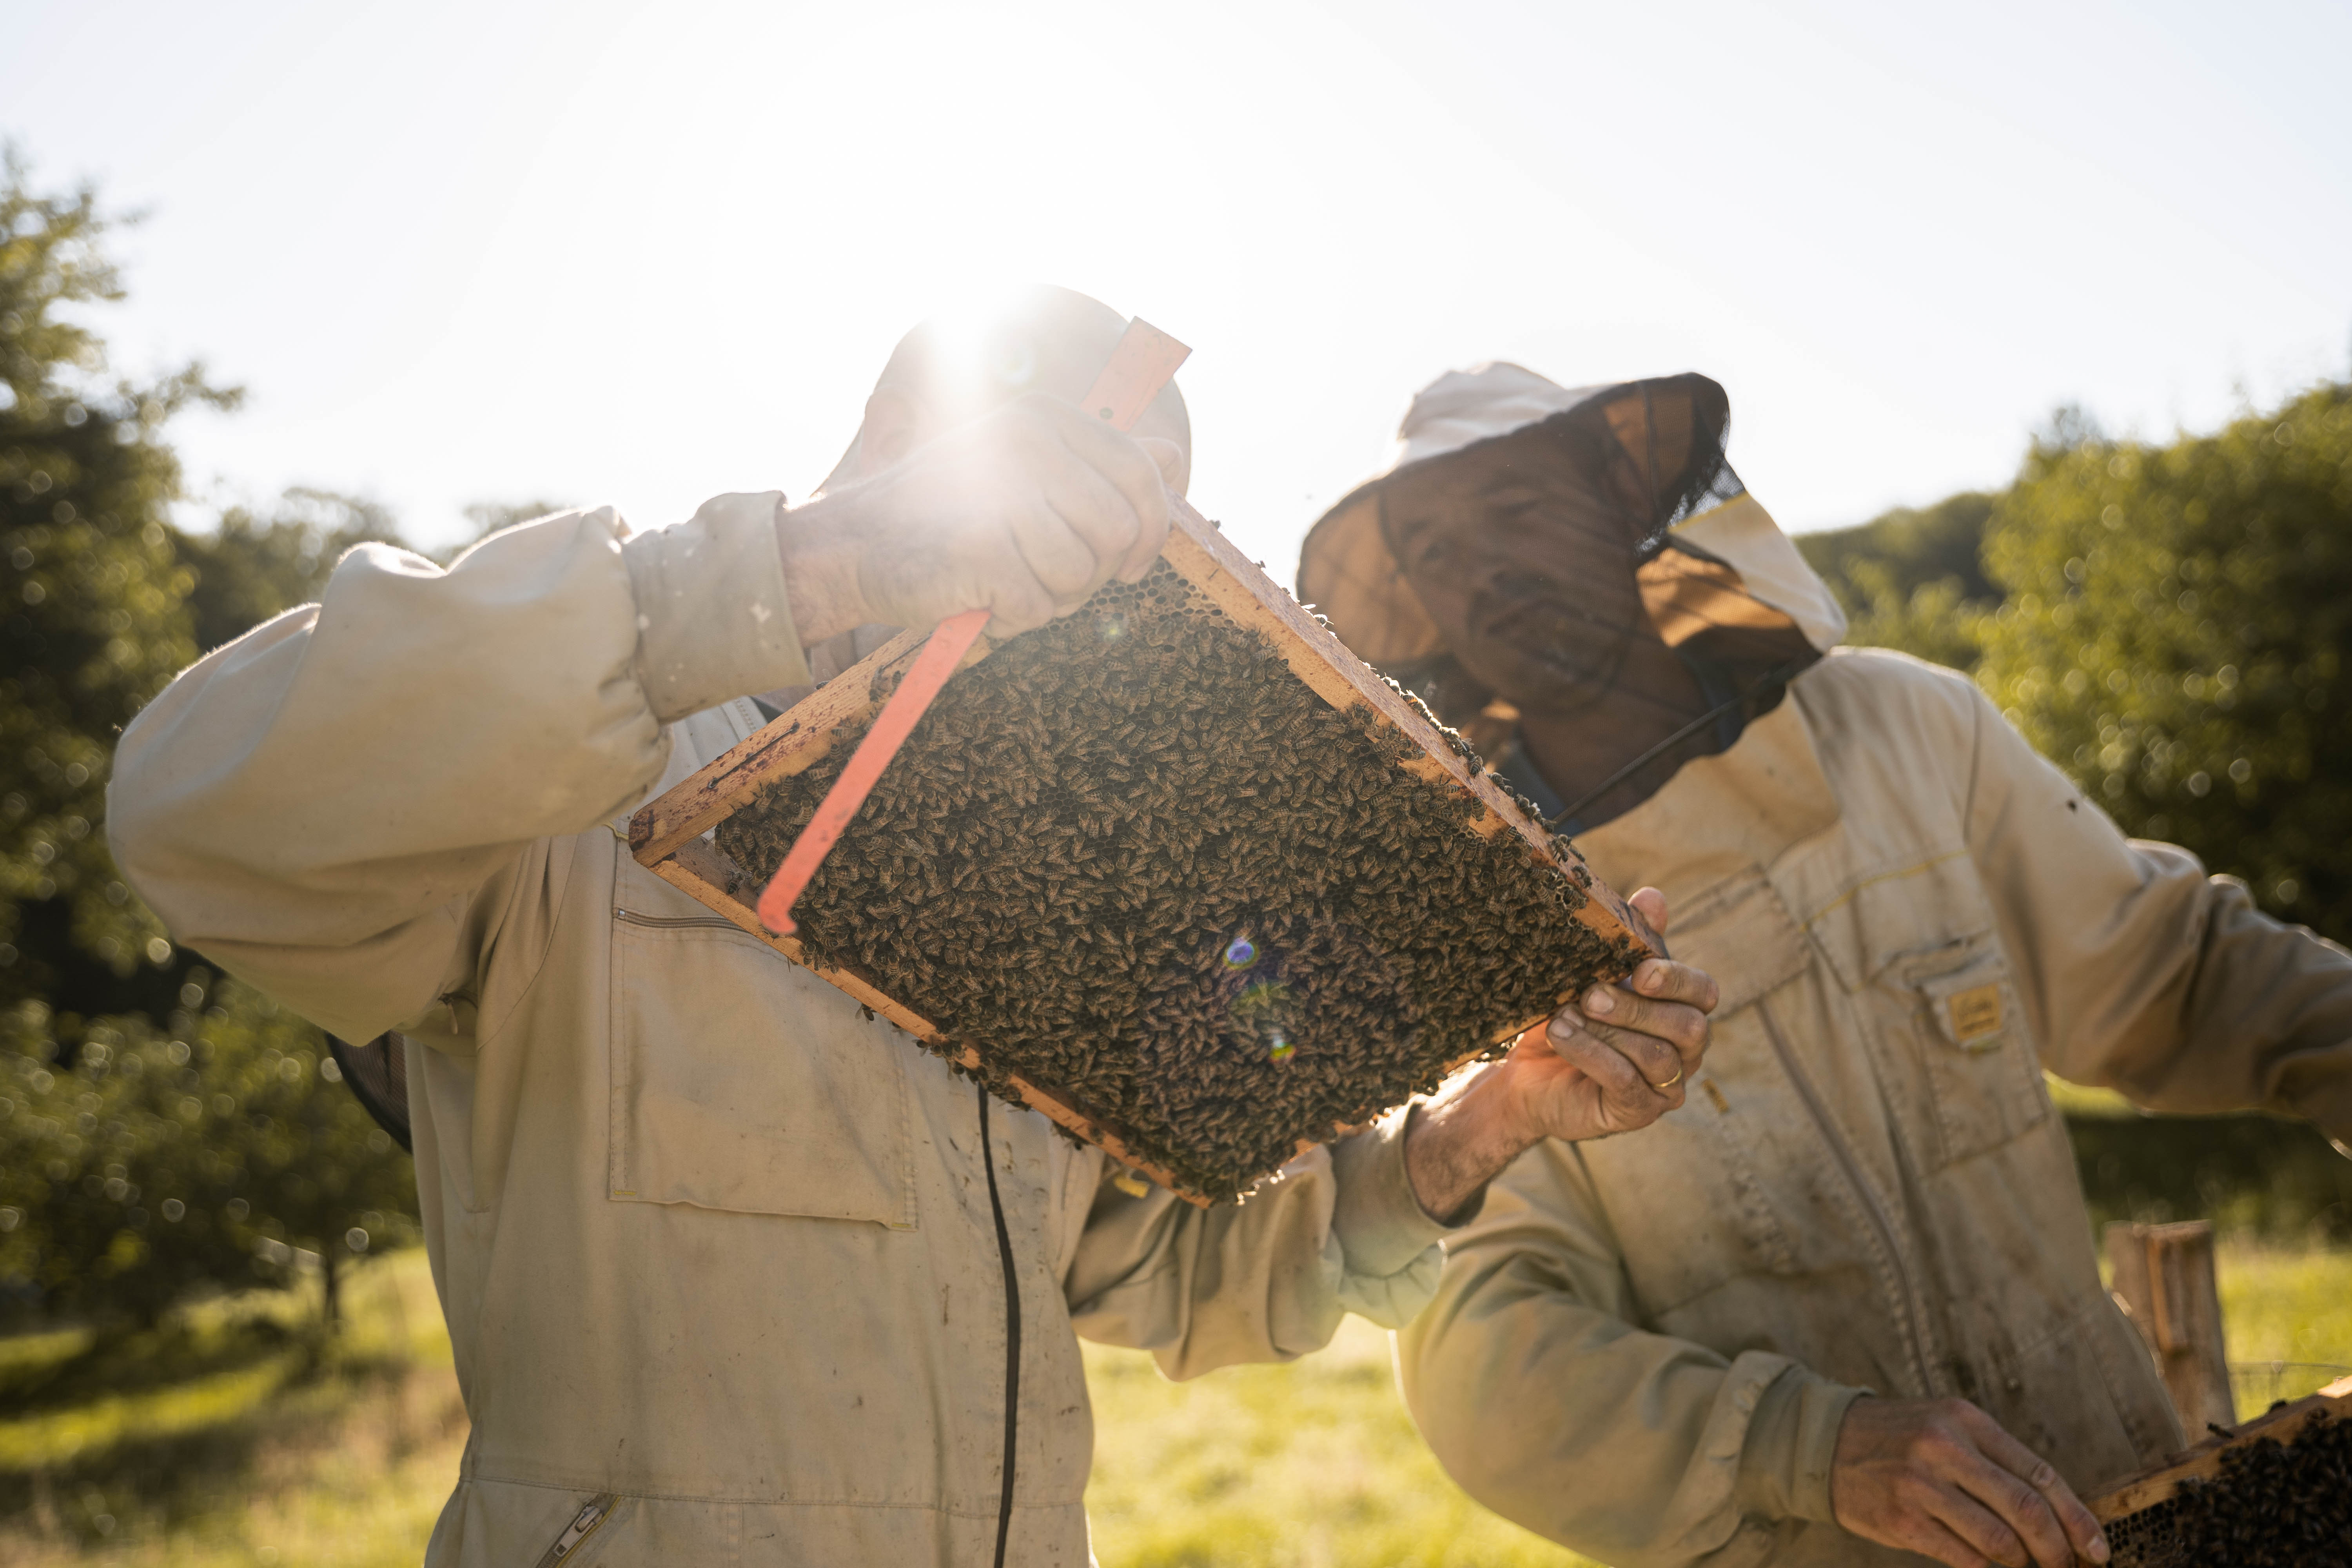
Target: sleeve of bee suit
2137	971
1541	1394
335	805
1336	1230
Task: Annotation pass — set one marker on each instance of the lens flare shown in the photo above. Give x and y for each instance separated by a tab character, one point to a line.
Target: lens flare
1279	1048
1240	954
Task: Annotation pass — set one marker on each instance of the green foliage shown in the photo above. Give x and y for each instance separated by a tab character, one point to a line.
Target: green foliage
233	1432
1911	547
1912	578
225	1153
1265	1466
2174	637
148	1141
90	596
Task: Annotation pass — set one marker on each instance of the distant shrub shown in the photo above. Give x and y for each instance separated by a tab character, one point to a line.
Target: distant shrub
2176	634
148	1161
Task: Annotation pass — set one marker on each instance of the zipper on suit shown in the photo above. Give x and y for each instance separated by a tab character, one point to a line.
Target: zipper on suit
632	917
1914	1332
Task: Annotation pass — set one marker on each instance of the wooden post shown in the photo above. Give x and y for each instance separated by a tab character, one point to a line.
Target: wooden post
2164	1277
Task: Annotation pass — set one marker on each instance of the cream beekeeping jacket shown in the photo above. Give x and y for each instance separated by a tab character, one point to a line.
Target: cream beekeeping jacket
707	1238
1643	1346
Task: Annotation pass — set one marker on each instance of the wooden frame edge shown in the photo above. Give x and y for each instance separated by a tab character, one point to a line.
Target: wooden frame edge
2145	1489
665	835
704	874
779	749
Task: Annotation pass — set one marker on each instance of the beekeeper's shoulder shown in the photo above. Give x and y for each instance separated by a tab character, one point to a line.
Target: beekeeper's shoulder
1878	697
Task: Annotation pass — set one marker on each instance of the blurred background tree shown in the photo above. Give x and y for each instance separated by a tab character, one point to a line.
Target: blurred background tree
2174	633
93	599
1914	578
2168	622
159	1130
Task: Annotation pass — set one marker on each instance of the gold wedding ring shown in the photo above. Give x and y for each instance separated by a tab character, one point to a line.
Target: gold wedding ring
1670	1083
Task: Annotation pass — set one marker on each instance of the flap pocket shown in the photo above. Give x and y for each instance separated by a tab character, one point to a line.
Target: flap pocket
1982	1076
1744	937
741	1082
1973	1008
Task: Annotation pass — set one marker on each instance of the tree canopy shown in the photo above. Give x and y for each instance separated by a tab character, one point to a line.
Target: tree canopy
2168	621
2174	635
158	1126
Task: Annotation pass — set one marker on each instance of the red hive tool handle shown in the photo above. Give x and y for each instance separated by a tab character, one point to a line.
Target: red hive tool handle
1138	367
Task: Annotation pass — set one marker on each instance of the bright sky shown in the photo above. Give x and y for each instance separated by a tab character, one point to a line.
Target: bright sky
643	253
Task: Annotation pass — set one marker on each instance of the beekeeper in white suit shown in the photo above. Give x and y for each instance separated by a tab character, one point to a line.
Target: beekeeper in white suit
733	1272
1842	1306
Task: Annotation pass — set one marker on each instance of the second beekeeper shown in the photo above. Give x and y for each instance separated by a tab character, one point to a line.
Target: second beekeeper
1844	1305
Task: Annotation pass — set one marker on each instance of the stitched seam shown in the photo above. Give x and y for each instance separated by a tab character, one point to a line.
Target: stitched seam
1848	895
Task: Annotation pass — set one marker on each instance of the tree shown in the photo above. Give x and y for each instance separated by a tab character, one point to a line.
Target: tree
156	1129
2176	633
220	1151
92	595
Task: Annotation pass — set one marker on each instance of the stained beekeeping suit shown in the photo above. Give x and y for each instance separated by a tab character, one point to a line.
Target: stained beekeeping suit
1654	1349
733	1273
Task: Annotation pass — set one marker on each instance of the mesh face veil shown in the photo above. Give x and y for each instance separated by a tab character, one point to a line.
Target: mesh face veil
1715	579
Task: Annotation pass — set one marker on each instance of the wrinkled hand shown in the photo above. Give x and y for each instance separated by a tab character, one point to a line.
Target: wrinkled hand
1623	1056
1024	512
1941	1478
1618	1061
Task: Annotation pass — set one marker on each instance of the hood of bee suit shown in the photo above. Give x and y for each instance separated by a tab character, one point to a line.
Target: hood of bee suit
1718	577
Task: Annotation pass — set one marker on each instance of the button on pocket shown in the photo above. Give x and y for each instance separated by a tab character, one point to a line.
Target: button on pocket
741	1082
1982	1072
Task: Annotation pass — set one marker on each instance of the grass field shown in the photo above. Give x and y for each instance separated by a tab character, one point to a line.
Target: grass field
234	1436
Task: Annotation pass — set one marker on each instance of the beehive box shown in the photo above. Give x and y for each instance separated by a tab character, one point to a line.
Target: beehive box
2277	1490
1177	871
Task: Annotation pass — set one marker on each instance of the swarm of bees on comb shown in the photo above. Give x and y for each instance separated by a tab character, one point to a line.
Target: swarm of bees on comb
1133	858
2267	1504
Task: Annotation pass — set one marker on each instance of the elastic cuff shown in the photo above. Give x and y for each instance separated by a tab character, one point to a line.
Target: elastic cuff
713	620
1791	1447
1381	1226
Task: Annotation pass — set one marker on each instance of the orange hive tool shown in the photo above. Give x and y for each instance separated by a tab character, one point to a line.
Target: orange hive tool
1138	367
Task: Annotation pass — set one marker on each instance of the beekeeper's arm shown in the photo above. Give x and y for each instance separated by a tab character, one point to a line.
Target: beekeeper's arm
1531	1383
1353	1227
2137	970
336	805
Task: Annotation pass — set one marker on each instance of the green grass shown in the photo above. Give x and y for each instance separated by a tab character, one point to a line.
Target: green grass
236	1436
2286	1321
1311	1464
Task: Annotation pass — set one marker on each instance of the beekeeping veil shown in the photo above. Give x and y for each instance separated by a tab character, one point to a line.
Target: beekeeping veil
1721	584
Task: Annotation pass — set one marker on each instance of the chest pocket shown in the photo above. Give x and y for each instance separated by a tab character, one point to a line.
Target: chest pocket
1983	1083
740	1081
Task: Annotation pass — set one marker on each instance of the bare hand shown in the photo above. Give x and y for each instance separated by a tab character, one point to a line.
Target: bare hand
1624	1056
1941	1478
1617	1062
1024	512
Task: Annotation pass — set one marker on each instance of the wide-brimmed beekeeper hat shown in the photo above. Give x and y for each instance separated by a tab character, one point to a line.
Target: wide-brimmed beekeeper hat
1718	577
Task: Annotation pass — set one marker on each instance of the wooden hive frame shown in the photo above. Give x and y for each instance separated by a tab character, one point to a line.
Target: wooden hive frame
2119	1506
666	834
